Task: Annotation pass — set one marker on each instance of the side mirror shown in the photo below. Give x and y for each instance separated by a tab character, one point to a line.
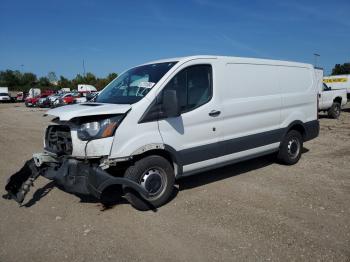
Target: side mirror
171	105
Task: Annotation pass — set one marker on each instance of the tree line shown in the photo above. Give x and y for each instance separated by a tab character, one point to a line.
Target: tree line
18	81
343	69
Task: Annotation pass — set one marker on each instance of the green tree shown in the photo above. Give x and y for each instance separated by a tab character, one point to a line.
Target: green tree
111	76
79	79
44	82
15	80
10	78
65	83
28	79
343	69
90	79
52	77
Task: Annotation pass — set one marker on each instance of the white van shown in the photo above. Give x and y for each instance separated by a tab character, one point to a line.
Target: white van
176	117
4	94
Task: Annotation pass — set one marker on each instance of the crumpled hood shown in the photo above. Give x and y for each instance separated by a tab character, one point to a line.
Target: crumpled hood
66	113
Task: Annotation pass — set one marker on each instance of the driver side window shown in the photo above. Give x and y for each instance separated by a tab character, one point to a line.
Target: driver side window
193	86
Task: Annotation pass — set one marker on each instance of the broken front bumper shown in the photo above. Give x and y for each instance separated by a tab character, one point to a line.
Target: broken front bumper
75	176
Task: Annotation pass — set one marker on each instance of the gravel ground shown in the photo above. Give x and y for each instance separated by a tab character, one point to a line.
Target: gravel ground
255	210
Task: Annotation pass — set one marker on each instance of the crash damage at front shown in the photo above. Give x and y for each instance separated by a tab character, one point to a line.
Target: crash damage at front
81	176
74	176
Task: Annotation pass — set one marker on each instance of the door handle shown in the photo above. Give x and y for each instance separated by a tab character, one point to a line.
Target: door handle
214	113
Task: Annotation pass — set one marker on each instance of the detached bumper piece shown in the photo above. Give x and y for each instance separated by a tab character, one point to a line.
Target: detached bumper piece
19	184
73	175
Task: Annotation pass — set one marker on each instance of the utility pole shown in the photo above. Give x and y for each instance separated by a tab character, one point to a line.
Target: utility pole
316	59
84	68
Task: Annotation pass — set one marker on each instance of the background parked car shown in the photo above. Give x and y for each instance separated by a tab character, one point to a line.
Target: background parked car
4	95
330	100
43	101
70	98
21	96
31	101
51	99
38	100
5	98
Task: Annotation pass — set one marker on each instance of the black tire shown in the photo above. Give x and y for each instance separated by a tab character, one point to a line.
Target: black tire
290	148
334	111
154	173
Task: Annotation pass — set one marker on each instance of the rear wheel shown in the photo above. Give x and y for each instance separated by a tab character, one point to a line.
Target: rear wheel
290	148
156	175
334	111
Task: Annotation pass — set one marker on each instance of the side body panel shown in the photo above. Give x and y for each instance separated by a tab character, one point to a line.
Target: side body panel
259	102
251	99
299	94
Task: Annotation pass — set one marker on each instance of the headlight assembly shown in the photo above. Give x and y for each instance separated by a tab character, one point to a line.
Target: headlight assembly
99	128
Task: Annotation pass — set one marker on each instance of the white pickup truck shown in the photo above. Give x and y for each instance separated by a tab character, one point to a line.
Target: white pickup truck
332	100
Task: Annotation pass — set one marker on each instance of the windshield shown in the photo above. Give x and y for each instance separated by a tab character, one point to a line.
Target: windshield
134	84
3	94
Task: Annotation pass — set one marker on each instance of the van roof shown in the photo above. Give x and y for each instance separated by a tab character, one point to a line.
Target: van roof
229	59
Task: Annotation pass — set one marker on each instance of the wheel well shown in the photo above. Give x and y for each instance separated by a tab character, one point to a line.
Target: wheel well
159	152
300	128
337	99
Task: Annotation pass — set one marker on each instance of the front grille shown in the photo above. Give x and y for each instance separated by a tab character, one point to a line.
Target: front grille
58	140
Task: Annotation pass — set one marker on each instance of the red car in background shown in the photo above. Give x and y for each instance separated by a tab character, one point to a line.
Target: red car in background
21	96
33	101
70	98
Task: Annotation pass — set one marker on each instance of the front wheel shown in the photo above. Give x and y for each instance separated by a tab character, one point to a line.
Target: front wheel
156	175
290	148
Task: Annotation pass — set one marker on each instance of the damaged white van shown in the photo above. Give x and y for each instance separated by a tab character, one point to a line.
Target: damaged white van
171	118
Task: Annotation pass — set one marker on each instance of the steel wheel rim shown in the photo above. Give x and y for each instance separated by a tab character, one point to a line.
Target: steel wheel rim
337	110
293	148
153	180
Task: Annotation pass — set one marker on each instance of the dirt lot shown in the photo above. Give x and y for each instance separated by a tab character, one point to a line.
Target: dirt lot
256	210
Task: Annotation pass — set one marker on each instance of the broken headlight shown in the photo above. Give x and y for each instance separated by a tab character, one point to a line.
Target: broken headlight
101	128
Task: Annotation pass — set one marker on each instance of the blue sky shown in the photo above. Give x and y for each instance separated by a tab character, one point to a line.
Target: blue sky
111	36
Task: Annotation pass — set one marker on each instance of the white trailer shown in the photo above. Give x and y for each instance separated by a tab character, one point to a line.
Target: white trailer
33	92
86	88
4	90
65	90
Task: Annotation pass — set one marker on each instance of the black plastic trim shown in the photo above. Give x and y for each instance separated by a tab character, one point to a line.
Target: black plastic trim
312	130
222	148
